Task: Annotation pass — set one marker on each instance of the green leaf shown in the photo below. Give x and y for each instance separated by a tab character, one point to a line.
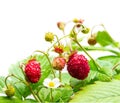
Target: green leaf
104	38
113	60
77	84
66	93
104	73
4	99
100	92
44	93
9	100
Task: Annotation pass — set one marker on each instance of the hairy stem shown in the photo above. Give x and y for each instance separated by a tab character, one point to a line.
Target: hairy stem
87	53
114	67
48	61
51	94
57	42
91	48
60	75
26	83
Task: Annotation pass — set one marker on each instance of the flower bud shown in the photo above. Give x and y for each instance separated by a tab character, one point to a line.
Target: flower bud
61	25
85	30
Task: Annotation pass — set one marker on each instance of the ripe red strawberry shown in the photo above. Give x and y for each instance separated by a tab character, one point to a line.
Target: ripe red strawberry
33	71
58	63
78	66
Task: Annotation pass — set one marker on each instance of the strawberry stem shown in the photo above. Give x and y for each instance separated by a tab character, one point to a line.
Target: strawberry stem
114	67
6	80
57	42
48	60
95	27
26	83
57	39
87	53
60	75
51	94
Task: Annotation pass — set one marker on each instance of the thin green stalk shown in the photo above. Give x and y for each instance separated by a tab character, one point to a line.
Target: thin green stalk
114	67
6	80
87	53
99	48
57	42
57	39
67	44
60	74
97	26
38	99
51	94
48	61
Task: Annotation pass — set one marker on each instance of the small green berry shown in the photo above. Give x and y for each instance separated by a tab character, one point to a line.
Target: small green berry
75	20
49	36
85	30
10	91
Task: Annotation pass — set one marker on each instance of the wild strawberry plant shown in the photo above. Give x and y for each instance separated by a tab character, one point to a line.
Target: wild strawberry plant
67	71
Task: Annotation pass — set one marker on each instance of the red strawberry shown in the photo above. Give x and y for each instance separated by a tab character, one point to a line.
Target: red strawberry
78	66
33	71
58	63
59	49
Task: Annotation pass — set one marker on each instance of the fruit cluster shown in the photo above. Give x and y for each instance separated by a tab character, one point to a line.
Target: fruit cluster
67	56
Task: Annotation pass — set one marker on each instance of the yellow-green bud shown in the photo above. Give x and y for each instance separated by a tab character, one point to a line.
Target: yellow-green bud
49	37
10	91
75	20
85	30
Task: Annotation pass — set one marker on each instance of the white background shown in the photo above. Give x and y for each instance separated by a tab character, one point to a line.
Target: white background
23	23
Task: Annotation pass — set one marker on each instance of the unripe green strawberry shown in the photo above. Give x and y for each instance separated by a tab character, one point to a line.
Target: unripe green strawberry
49	37
92	40
58	63
85	30
61	25
10	91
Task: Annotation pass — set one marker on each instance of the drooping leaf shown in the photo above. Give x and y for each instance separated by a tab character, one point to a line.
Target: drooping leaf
99	92
113	60
104	73
104	38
